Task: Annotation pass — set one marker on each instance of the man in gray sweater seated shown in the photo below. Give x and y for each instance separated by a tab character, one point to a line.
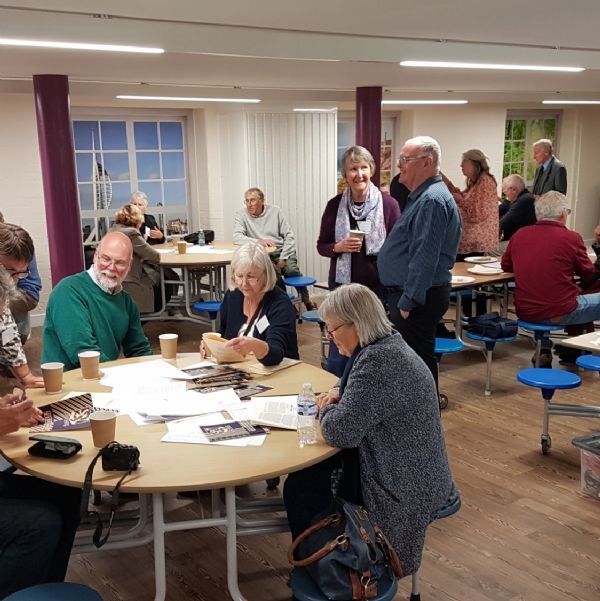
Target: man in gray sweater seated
266	224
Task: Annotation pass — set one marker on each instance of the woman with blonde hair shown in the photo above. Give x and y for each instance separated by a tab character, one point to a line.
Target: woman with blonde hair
478	204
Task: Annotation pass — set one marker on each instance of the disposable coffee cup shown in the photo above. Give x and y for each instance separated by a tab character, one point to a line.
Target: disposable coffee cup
175	240
357	234
181	247
89	362
53	376
168	345
103	425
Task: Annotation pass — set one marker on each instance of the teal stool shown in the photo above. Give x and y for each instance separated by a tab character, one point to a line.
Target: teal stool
56	591
210	307
490	345
443	346
540	332
313	317
300	283
549	380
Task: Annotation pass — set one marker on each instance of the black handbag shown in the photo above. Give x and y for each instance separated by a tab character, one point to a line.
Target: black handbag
346	555
209	236
492	325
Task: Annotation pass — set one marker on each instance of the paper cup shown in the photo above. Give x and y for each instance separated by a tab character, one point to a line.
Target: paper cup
103	427
357	234
181	247
168	345
90	362
53	376
175	240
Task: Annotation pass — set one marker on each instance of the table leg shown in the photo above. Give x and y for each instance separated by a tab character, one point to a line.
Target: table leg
158	520
231	534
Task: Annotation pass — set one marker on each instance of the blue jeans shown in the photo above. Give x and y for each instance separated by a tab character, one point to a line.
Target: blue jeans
38	521
588	309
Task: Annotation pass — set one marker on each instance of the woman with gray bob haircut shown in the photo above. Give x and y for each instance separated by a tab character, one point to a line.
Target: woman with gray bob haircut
384	415
257	316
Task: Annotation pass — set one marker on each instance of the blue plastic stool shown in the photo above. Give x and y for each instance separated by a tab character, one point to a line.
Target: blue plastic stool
210	307
300	283
549	380
443	346
56	591
540	331
590	362
313	317
305	589
490	344
444	512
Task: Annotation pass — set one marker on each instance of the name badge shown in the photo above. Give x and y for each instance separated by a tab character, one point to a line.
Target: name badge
8	334
365	226
262	324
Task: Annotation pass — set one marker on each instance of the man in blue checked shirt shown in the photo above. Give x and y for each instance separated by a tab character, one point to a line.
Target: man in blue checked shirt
415	261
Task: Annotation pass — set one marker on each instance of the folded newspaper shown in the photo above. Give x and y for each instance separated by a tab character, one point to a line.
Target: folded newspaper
275	411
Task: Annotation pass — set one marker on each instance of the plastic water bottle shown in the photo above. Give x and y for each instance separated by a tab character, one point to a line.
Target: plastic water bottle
201	240
307	414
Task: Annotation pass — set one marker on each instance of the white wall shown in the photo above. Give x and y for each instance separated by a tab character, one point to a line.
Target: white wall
22	200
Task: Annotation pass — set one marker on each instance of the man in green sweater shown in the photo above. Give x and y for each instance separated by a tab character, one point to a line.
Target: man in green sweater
90	311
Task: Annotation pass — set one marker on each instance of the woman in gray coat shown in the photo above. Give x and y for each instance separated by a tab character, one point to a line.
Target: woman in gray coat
386	407
143	279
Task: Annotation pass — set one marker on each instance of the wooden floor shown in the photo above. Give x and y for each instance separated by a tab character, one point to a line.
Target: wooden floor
525	531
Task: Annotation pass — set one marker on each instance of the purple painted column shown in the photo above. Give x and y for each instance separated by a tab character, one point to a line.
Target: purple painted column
57	158
368	123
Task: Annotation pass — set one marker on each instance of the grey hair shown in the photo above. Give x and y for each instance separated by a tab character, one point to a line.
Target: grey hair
545	143
551	206
256	191
514	181
7	287
139	195
356	304
251	255
357	154
429	146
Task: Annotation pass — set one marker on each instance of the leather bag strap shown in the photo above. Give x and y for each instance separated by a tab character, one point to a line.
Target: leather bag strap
324	550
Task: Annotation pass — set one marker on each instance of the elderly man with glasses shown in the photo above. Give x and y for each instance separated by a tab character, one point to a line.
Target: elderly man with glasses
267	225
90	311
416	258
16	253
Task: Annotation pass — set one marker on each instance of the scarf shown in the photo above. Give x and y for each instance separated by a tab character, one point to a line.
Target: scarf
371	211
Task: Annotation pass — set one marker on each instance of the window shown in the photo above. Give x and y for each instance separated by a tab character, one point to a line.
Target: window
116	157
519	135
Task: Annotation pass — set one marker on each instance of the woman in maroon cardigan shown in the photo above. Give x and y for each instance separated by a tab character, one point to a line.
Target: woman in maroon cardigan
362	206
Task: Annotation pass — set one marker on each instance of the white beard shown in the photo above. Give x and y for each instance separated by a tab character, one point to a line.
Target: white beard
110	285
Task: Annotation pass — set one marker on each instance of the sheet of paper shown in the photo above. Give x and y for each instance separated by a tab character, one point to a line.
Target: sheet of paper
207	250
275	411
140	372
190	403
166	251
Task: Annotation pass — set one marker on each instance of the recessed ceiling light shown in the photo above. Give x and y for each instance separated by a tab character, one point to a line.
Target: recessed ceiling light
79	46
189	99
424	101
316	110
455	65
570	101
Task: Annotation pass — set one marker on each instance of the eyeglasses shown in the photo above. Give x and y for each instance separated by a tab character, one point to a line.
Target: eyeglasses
20	275
331	332
250	279
118	263
404	159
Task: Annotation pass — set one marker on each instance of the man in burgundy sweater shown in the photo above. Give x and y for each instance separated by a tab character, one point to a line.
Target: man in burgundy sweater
545	257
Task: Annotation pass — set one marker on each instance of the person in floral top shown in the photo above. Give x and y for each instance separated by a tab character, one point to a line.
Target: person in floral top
478	204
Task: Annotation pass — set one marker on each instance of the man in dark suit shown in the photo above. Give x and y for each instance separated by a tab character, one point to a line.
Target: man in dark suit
551	174
518	210
150	231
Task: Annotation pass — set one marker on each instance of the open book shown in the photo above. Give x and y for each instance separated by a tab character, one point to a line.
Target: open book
275	411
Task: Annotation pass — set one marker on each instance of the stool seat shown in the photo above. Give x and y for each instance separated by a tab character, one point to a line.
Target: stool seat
450	509
589	362
311	316
539	327
448	345
305	589
299	281
56	591
548	379
473	336
208	306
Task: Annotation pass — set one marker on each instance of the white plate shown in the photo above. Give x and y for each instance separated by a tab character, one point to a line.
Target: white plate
482	270
484	259
462	279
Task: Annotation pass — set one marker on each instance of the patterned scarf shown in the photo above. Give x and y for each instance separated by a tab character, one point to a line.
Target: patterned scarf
371	211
